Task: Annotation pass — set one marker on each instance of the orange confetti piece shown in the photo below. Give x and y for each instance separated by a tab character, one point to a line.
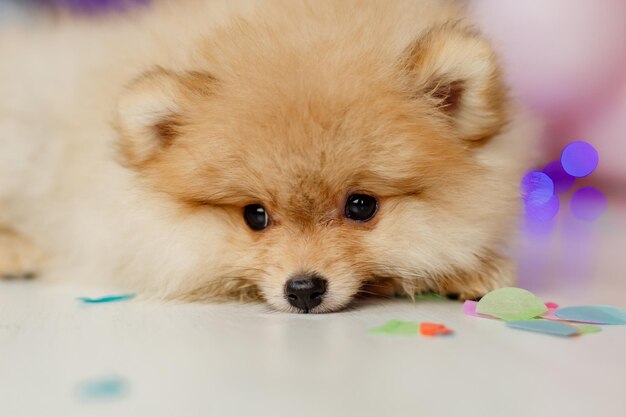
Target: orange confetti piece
433	329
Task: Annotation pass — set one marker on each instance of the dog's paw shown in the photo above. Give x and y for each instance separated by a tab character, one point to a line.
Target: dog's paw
382	287
19	256
495	272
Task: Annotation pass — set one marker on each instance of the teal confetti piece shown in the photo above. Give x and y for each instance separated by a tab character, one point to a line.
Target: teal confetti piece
103	388
593	314
544	326
106	299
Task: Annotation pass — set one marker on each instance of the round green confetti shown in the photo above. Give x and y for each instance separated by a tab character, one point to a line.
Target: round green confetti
511	304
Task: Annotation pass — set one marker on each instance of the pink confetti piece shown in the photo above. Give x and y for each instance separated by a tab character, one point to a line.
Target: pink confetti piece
469	308
551	305
549	315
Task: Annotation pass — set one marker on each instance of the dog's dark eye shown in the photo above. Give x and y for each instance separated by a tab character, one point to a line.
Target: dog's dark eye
361	207
256	217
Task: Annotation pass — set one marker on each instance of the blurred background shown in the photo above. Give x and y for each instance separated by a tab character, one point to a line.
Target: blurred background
566	61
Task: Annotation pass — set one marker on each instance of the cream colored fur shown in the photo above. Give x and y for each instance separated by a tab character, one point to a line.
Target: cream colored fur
64	185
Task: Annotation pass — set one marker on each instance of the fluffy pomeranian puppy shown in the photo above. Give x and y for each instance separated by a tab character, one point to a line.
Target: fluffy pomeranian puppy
300	152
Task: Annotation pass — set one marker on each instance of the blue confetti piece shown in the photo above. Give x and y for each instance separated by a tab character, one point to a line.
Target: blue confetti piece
107	298
544	326
104	388
593	314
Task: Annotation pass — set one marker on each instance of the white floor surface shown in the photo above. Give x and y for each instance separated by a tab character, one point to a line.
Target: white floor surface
234	360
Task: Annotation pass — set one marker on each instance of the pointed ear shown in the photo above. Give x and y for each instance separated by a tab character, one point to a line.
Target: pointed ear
150	112
456	70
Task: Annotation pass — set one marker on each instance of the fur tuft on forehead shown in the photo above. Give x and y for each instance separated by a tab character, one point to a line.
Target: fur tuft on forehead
348	115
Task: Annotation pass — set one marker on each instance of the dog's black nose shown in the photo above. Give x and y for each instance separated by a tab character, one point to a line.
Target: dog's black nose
305	291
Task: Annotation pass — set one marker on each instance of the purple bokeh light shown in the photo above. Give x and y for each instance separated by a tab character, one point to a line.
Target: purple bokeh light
543	212
95	6
588	203
561	179
537	188
579	159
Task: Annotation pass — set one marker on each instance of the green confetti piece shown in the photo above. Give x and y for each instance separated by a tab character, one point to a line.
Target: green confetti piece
587	328
511	304
397	327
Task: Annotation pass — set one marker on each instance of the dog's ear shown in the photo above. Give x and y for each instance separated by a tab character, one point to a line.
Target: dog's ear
150	111
456	70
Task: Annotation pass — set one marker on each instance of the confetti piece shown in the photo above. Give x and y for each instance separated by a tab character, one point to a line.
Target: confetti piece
434	329
568	321
545	326
469	308
397	327
105	388
593	314
549	315
511	304
106	299
586	328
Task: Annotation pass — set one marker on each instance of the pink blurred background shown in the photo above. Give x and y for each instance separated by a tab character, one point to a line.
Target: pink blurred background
566	59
